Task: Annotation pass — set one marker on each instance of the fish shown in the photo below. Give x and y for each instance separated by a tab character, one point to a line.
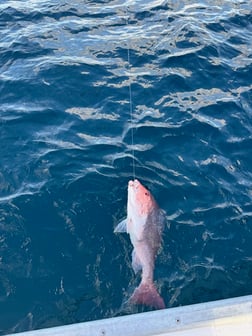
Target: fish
145	224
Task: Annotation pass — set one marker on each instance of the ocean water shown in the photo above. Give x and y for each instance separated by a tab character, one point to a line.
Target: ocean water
66	153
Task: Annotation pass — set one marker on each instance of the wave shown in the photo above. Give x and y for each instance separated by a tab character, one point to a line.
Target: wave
70	137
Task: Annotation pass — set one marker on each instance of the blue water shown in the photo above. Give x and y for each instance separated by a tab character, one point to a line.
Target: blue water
66	153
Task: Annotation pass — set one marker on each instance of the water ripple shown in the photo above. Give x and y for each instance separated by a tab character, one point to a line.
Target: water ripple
67	151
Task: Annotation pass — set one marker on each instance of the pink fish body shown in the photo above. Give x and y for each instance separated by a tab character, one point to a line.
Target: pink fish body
144	224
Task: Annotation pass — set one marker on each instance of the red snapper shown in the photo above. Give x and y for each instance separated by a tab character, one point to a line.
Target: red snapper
144	224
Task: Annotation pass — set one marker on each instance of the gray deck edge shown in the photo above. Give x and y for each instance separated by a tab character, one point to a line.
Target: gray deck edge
155	322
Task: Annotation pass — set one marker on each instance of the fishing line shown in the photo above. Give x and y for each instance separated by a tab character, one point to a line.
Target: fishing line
131	103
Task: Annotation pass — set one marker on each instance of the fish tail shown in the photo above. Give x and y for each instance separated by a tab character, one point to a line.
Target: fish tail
147	294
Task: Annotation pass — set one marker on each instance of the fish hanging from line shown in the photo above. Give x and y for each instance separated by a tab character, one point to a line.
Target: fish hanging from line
144	223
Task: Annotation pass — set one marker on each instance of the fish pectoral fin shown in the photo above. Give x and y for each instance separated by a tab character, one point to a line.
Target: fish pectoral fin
121	227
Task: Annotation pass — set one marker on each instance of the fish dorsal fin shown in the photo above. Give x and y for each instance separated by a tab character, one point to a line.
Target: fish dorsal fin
122	226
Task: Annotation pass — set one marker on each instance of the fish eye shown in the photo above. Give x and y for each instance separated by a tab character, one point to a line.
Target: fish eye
147	194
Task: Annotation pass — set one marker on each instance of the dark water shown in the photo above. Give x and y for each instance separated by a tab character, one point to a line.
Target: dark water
66	154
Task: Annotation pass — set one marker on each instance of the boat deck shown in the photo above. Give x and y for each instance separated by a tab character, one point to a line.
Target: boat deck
230	317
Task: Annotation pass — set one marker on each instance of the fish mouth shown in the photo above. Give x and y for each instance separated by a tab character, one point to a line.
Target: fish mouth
134	183
133	187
